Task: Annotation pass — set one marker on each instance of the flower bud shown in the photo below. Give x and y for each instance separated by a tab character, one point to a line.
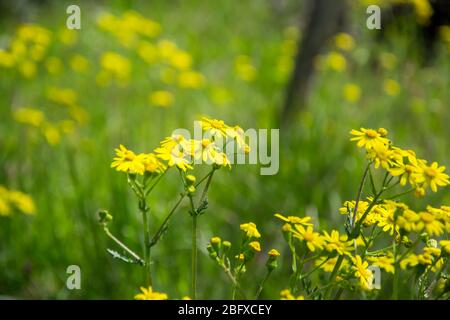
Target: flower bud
191	189
104	216
215	243
272	263
190	179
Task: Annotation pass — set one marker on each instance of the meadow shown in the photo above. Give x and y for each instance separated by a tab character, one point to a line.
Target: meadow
137	71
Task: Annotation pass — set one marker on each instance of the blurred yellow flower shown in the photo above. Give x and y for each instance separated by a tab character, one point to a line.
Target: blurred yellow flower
6	59
31	116
181	60
147	51
10	199
190	79
27	69
67	36
53	65
161	98
352	92
391	87
244	68
79	63
51	133
388	60
344	41
336	61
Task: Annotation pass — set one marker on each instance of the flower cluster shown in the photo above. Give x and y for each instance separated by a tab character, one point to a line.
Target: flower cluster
400	163
418	239
183	153
70	115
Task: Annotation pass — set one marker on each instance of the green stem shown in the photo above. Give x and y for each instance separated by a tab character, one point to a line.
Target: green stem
194	256
123	246
334	274
261	285
144	210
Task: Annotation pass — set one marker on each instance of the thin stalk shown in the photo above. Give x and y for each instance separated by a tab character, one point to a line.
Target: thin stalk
261	285
194	256
334	274
144	210
123	246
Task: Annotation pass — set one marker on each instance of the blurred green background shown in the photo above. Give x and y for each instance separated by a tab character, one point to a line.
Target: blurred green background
229	60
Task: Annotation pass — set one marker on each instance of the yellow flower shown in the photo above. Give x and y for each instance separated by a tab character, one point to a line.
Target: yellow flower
127	161
287	295
391	87
174	157
255	245
250	230
336	61
275	253
64	96
352	92
432	176
116	66
410	261
152	164
368	138
388	60
149	294
161	98
6	59
30	116
22	201
19	200
294	220
191	79
385	262
445	244
382	156
406	171
79	64
344	41
362	273
338	243
181	60
27	69
53	65
214	127
312	239
408	220
209	153
430	224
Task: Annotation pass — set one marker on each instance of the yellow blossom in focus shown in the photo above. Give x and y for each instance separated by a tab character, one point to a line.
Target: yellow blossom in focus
149	294
312	239
432	176
362	273
250	230
368	138
255	245
287	295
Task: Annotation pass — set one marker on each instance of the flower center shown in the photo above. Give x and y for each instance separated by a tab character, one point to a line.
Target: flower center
430	172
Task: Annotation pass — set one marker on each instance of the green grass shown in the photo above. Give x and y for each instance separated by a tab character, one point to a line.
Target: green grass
319	167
